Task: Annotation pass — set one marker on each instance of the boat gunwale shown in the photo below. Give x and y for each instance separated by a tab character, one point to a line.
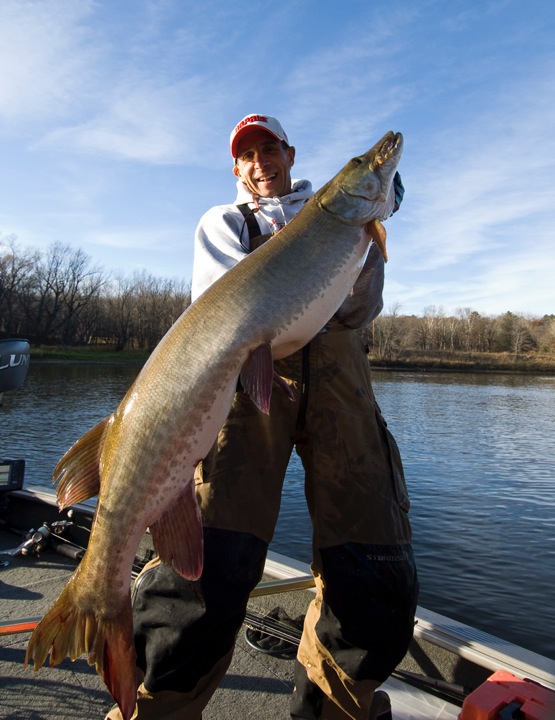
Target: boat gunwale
470	643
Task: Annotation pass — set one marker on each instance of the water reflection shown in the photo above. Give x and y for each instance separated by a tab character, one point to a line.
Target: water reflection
57	404
479	457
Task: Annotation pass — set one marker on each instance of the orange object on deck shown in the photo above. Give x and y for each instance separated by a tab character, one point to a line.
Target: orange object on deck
506	697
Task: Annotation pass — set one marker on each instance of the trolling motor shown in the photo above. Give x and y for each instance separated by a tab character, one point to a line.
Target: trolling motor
14	363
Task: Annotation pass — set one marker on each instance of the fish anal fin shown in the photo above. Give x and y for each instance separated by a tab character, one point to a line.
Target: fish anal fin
178	537
78	473
257	376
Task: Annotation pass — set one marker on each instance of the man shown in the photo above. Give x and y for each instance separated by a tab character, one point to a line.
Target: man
360	624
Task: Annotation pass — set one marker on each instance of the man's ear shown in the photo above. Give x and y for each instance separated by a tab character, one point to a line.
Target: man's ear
236	171
291	153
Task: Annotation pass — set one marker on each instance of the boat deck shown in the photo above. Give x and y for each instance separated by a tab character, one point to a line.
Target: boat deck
71	691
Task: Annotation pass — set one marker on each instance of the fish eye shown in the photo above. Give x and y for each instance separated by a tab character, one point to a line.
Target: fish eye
356	161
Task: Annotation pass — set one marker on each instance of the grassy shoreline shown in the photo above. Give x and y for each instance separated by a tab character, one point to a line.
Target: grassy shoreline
533	363
87	354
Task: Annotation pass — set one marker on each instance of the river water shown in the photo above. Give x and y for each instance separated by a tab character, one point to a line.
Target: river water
479	456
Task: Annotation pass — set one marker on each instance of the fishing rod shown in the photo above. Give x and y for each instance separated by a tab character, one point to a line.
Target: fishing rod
288	633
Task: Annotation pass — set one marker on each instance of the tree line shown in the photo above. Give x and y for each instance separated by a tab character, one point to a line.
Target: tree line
59	297
392	334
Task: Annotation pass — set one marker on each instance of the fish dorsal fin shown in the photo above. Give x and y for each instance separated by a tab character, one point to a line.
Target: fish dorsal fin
78	471
177	535
257	376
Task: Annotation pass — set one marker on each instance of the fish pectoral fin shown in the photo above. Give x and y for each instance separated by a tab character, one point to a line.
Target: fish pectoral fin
257	376
78	472
284	386
177	535
377	232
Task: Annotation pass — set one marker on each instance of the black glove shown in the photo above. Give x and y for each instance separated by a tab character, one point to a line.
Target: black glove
399	191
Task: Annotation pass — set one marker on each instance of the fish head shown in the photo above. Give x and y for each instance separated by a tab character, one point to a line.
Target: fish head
363	189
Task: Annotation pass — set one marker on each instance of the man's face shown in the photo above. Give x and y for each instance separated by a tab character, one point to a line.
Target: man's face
264	165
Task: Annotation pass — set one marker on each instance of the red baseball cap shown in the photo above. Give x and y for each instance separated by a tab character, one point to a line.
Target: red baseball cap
252	122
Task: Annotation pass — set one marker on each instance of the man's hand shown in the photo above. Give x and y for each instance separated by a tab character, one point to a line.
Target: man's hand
399	191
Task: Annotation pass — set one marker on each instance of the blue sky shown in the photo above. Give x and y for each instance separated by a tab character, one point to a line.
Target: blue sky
115	121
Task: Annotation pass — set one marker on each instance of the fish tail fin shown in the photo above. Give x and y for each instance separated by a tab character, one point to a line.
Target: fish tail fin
116	661
66	630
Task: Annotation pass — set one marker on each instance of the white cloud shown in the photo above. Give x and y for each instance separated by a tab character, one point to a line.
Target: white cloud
45	55
480	185
71	87
121	113
157	237
145	123
159	249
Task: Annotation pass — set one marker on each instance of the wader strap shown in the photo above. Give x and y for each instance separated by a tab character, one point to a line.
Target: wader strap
252	225
305	377
254	232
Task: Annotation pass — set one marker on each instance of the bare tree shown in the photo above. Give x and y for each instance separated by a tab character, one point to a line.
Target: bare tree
388	335
489	334
16	270
118	325
515	334
140	309
468	320
543	332
65	282
434	328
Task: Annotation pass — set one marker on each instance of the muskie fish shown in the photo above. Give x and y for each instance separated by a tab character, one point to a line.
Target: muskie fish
141	459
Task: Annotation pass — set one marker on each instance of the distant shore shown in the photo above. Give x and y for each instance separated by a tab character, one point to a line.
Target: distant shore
533	363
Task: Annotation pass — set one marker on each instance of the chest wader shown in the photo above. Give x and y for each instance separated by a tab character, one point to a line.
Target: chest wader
359	625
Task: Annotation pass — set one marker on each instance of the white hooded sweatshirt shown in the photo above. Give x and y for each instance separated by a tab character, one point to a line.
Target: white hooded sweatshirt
222	239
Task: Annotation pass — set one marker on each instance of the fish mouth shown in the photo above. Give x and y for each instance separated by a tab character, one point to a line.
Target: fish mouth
391	145
386	150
